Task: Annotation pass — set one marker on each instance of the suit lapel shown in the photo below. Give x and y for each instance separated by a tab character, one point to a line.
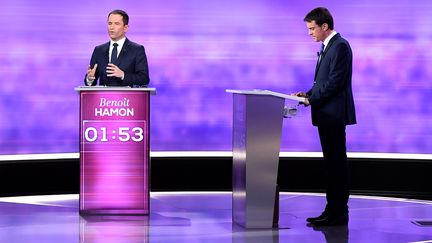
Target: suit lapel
332	40
123	52
105	51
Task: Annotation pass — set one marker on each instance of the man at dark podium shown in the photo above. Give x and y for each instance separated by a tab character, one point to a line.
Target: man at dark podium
332	105
119	62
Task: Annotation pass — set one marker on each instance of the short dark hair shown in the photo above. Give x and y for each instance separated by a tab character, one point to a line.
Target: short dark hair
123	14
321	15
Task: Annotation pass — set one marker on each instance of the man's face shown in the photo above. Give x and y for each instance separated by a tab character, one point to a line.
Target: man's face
116	28
318	33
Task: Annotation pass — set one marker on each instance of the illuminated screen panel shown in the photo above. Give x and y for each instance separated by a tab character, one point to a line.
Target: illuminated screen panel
114	155
196	50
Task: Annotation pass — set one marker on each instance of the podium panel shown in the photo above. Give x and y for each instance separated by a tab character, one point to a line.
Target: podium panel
114	150
257	128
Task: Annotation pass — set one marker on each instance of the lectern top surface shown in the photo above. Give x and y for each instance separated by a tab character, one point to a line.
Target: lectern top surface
114	88
266	92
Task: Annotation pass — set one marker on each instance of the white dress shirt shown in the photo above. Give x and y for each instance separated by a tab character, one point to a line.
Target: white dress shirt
327	40
119	47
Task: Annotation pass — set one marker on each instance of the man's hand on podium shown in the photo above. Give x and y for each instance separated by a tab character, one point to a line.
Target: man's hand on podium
304	95
300	94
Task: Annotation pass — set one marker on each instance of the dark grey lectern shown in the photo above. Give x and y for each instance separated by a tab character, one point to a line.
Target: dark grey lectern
257	127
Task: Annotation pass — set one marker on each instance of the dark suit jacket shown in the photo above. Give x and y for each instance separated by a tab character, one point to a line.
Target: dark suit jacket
331	97
132	61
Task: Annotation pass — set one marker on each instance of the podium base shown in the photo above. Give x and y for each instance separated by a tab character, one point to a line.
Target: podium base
114	212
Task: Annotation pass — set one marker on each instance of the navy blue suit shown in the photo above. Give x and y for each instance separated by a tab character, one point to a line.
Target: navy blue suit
332	107
331	97
132	61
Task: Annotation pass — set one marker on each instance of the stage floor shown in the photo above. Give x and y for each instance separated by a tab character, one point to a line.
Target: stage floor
206	217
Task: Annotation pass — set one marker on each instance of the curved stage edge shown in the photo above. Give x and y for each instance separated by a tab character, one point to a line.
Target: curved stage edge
206	217
395	175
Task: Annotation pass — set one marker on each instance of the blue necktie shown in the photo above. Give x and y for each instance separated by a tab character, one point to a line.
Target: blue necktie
319	60
114	53
320	53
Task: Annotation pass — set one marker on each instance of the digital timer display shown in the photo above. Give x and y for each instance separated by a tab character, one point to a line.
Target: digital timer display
96	131
122	134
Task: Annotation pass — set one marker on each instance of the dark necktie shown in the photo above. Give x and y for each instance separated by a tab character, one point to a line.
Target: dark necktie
319	54
114	53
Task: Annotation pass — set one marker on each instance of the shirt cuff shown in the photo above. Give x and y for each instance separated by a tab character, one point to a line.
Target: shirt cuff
89	82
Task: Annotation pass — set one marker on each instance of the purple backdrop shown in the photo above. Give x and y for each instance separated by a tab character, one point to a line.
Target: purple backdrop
196	49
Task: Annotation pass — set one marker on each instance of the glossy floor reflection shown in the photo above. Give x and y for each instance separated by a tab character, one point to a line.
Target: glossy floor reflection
206	217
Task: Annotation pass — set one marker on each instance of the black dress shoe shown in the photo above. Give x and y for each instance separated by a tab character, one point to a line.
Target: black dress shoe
322	216
332	220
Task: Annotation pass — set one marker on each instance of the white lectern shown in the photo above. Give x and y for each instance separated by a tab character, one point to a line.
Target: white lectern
257	127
